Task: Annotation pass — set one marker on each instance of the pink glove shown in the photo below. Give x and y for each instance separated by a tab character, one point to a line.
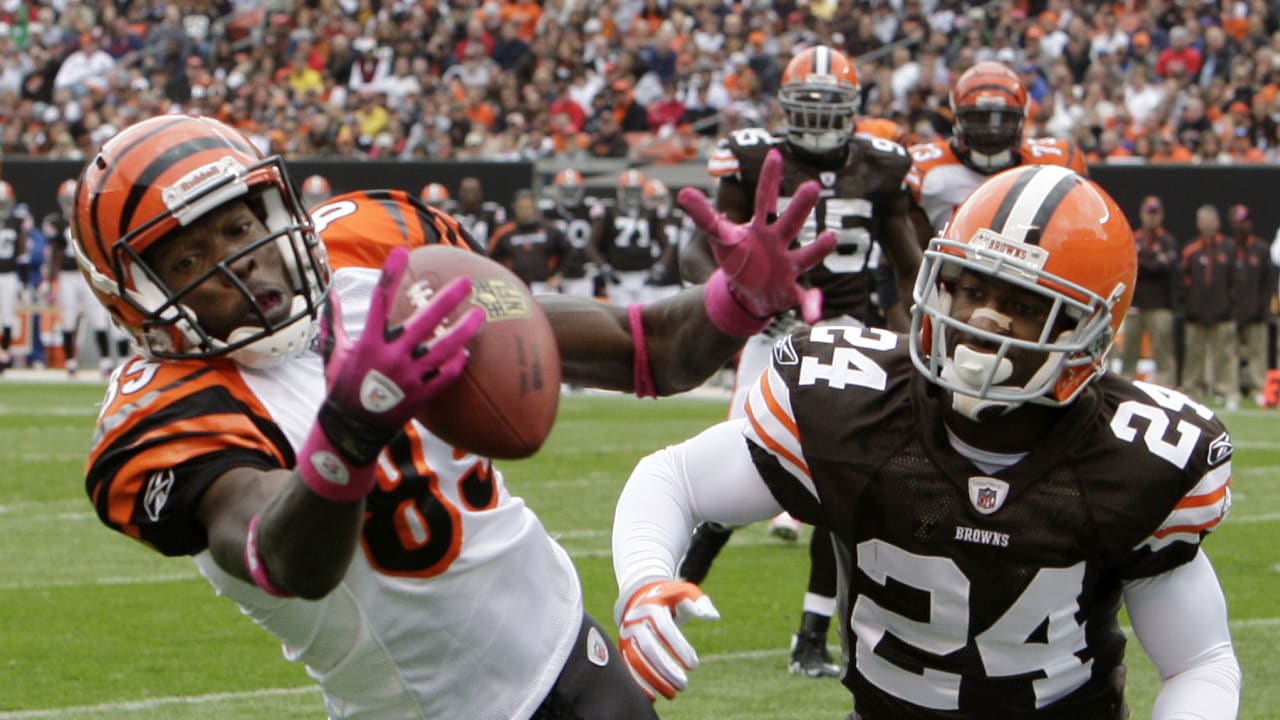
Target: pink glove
381	380
649	636
757	274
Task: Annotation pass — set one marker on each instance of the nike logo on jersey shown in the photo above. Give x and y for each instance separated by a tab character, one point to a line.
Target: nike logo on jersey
982	537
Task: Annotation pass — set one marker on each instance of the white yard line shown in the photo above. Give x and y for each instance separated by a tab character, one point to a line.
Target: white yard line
152	704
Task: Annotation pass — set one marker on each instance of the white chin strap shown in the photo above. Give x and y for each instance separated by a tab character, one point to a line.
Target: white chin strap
999	161
821	142
279	345
971	369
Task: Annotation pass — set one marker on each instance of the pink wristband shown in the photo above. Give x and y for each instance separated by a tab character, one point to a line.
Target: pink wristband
643	380
726	313
253	561
328	474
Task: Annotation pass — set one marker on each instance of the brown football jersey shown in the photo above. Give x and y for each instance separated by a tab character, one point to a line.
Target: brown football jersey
973	594
856	186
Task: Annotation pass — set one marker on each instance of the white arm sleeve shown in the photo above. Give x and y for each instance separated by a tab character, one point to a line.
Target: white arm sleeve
1180	618
708	477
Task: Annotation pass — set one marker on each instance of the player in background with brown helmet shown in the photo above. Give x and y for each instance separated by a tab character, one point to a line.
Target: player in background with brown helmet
989	106
863	200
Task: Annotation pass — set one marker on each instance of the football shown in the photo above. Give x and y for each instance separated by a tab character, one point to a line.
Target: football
504	404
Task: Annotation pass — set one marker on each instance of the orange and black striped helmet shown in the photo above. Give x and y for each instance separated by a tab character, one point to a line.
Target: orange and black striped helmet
1048	232
167	173
990	106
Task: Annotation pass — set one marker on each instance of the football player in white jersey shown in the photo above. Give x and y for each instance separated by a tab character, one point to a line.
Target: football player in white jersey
993	496
266	427
990	106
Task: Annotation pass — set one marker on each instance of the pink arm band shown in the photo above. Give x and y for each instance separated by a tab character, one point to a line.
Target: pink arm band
726	313
643	380
253	561
329	475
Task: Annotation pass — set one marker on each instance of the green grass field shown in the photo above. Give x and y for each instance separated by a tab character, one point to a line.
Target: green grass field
93	625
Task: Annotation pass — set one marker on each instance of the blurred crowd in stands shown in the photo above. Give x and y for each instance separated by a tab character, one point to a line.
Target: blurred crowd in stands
1162	81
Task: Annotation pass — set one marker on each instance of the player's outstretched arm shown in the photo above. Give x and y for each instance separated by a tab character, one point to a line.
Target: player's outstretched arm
294	532
677	343
1200	676
710	476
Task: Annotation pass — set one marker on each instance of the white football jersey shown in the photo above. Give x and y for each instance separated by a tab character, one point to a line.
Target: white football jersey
481	633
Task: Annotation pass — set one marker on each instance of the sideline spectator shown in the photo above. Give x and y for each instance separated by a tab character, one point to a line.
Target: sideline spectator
1253	287
1210	369
1154	296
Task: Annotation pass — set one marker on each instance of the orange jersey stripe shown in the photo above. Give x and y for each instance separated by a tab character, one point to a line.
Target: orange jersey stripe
1187	529
1213	498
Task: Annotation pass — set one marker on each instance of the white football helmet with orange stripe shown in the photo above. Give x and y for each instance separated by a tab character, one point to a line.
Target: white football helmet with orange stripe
819	93
990	106
1047	232
166	173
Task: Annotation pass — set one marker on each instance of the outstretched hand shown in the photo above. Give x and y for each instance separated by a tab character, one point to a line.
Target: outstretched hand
757	268
382	379
649	637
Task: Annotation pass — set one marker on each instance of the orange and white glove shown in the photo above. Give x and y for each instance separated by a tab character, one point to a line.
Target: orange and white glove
649	637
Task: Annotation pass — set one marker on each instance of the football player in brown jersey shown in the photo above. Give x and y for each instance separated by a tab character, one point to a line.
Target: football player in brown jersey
266	426
993	495
864	201
989	104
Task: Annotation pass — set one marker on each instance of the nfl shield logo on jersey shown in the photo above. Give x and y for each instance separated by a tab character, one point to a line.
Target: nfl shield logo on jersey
987	494
597	649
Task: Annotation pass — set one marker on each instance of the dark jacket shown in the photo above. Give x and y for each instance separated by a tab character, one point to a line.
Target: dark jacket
1159	270
1254	280
1207	267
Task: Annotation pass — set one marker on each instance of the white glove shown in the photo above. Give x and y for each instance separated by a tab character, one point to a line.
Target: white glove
656	652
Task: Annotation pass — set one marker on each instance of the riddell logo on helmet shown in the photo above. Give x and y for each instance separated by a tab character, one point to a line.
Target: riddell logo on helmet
196	181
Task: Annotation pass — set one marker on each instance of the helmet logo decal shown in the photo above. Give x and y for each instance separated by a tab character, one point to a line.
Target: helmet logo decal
988	242
176	195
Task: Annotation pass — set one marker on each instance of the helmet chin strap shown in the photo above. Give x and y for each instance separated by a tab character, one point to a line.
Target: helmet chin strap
998	161
970	368
277	347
